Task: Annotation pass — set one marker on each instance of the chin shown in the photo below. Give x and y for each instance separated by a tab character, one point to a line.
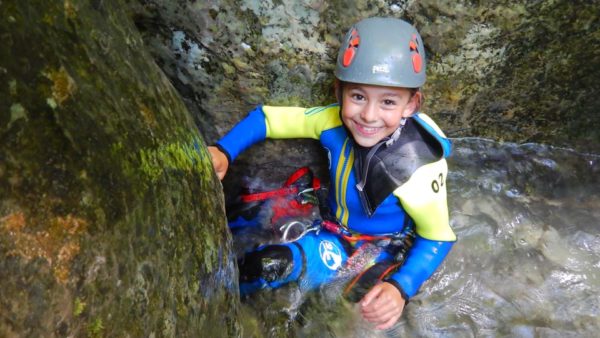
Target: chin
367	143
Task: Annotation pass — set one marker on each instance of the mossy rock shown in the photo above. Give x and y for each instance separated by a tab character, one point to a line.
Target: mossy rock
111	218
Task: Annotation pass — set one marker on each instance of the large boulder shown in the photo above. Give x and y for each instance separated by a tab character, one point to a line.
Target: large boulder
111	217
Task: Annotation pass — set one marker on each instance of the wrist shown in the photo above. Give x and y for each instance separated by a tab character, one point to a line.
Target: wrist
399	287
224	151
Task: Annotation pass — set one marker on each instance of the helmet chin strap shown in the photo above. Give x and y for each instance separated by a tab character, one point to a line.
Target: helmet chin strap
388	141
396	134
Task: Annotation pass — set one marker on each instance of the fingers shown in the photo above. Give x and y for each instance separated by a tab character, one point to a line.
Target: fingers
372	294
384	317
382	306
219	161
381	311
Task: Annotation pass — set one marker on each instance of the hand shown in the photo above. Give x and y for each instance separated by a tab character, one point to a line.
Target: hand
219	161
382	305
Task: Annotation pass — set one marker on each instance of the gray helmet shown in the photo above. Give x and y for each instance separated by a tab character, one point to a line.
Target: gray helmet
382	51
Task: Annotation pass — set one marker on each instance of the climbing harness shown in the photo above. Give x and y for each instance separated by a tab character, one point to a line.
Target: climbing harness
372	258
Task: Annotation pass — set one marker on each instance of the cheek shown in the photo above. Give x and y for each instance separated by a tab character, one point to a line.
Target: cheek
393	118
346	111
345	119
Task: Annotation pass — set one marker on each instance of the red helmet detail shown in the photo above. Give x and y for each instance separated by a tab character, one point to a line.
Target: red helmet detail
348	56
351	49
417	62
413	45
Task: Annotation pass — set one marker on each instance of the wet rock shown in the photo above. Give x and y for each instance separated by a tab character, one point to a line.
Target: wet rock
111	219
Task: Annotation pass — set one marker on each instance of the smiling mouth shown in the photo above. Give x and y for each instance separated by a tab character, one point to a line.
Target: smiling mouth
367	131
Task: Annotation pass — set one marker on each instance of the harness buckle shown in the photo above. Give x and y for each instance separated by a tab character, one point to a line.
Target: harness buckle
307	196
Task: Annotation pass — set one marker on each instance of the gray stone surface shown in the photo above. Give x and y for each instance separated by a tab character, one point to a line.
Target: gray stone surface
111	218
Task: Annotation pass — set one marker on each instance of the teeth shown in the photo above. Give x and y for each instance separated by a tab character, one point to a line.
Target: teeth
368	130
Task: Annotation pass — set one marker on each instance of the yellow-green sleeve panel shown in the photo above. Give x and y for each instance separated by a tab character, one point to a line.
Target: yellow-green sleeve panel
296	122
424	198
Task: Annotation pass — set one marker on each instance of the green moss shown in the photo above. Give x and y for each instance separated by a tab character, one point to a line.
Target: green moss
12	85
78	307
181	309
96	328
229	70
186	157
17	111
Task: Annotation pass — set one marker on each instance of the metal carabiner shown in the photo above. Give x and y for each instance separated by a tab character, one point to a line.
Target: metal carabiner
287	230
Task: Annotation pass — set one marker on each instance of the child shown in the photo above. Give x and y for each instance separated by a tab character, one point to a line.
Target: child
387	167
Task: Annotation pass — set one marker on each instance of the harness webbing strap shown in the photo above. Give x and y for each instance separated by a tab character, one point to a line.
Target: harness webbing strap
296	176
287	189
261	196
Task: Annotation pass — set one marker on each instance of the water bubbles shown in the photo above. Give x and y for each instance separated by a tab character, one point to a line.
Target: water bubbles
544	256
567	279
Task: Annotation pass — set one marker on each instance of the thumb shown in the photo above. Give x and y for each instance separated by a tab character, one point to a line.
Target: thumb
372	294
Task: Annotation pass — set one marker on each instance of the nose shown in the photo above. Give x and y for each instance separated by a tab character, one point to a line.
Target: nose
369	113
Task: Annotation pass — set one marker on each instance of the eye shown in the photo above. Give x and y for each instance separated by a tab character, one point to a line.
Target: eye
358	97
389	102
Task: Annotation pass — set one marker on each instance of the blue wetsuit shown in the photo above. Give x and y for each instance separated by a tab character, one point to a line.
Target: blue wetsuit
420	199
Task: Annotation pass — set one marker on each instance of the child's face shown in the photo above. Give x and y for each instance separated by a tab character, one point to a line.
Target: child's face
374	112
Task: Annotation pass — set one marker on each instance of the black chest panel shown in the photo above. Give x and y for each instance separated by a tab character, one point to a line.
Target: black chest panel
393	165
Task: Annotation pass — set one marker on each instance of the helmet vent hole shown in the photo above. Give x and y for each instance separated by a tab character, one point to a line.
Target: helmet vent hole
353	43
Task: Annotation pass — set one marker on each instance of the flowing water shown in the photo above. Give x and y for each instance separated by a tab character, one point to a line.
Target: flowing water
527	262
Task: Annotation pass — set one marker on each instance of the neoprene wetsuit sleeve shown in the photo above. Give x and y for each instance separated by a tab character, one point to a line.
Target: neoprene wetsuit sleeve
250	130
278	122
424	198
424	257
